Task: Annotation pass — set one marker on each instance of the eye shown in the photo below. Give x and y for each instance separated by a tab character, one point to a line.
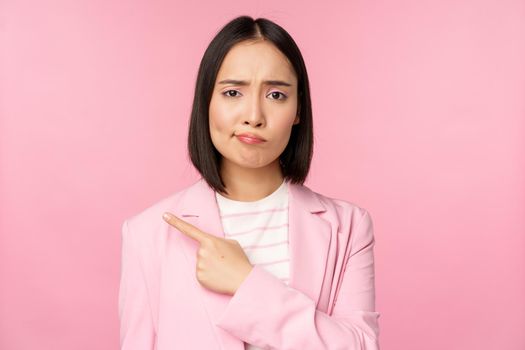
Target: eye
227	93
277	93
234	93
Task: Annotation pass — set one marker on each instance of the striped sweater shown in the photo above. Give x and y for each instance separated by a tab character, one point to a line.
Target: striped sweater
261	228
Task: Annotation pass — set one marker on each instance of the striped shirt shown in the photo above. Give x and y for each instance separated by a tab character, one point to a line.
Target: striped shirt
261	228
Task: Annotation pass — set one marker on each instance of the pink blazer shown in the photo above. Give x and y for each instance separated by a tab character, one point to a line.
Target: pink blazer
328	304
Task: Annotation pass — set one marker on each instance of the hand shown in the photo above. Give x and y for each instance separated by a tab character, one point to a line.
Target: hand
222	264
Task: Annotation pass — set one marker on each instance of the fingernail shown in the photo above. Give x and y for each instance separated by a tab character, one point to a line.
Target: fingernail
166	216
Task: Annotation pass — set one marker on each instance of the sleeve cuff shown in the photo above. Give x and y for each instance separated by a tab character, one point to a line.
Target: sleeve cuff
252	299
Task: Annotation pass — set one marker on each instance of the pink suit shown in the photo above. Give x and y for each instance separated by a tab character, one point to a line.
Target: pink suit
328	304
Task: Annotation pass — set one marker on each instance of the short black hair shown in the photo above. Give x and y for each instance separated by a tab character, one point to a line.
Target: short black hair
296	158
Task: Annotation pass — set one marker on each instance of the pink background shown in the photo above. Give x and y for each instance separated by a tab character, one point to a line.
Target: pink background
419	109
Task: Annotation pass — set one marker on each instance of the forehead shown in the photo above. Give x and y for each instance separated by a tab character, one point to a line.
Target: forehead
257	60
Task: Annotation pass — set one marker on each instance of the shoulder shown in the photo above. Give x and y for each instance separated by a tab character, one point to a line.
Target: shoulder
354	223
348	214
339	205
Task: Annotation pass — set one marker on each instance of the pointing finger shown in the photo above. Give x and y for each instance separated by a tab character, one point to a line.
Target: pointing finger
185	227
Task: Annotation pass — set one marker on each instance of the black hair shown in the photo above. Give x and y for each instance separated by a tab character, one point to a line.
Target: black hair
296	158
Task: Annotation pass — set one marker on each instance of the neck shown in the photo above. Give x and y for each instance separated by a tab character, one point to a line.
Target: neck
250	184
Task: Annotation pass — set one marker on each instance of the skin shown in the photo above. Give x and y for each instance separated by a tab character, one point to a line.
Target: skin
249	171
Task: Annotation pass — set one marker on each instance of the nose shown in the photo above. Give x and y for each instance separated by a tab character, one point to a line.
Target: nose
255	114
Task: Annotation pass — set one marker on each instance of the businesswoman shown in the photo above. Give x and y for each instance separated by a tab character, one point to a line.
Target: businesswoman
247	257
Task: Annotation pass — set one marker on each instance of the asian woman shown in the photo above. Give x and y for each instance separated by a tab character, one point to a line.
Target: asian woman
248	257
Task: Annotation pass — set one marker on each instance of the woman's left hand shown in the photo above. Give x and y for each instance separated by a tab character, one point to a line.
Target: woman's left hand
222	264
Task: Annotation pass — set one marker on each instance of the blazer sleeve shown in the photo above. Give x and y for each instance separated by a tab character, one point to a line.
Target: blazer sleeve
136	326
269	314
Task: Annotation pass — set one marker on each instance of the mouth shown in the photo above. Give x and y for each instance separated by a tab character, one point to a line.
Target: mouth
250	138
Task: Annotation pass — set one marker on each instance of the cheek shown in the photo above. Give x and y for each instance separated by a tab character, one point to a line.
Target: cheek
285	123
219	122
285	135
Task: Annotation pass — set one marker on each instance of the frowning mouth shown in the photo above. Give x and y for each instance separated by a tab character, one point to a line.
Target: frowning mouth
250	138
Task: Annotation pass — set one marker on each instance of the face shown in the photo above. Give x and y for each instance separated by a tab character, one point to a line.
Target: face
243	101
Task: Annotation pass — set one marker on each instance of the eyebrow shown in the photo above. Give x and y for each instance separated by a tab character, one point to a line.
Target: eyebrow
266	82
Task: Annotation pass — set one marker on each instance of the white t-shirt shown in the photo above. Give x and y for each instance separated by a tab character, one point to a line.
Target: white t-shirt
261	228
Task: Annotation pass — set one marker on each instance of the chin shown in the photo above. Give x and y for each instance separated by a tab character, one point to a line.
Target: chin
250	164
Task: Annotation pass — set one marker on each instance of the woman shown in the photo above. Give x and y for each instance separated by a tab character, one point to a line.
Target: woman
247	256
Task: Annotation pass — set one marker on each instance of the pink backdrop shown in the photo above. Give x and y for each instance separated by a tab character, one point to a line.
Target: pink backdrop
419	109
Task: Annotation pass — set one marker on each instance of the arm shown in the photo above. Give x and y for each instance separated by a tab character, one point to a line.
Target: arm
136	326
269	314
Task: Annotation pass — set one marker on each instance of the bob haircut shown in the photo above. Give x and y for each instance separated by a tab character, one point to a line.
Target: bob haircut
296	157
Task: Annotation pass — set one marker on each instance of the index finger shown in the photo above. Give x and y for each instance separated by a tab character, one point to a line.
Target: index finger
185	227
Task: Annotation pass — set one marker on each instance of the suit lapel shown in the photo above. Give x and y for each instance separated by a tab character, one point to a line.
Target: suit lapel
309	241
